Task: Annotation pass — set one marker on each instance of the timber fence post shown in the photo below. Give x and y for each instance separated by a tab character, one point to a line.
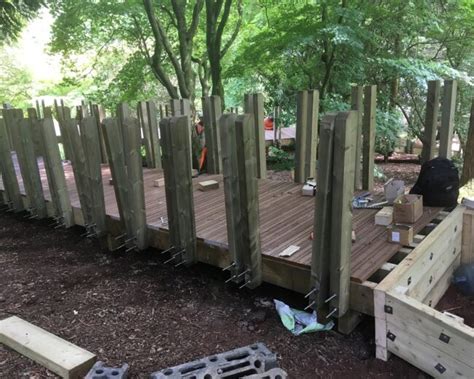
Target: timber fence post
447	118
357	104
368	133
212	110
253	104
431	120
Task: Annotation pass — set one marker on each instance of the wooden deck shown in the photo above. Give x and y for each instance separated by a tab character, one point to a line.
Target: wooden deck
286	218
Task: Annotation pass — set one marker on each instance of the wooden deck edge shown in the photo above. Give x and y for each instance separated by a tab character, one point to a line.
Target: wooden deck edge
405	321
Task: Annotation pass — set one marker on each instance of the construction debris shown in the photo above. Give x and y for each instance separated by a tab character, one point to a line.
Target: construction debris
255	359
289	251
384	216
208	185
392	189
159	182
100	371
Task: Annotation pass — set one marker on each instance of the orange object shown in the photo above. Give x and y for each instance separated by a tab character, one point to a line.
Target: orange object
268	123
202	159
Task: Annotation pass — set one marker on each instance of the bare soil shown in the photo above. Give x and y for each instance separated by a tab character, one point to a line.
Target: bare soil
132	308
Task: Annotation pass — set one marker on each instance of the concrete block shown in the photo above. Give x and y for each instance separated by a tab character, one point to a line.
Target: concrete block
100	371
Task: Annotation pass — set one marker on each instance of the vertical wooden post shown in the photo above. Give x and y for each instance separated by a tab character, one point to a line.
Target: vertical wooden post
155	140
177	168
368	133
447	118
300	138
247	166
123	111
99	114
212	110
231	190
55	172
320	271
136	192
145	128
93	173
29	169
116	156
467	251
431	120
311	134
35	125
345	127
7	167
357	104
253	104
175	108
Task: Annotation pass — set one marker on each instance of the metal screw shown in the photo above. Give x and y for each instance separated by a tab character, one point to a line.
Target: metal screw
331	313
229	267
243	285
330	298
311	292
310	305
120	237
170	249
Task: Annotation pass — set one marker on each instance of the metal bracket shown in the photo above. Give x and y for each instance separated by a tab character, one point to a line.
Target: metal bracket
391	336
440	368
444	337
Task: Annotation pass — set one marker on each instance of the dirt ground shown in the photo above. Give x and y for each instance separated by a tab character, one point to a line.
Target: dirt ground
132	308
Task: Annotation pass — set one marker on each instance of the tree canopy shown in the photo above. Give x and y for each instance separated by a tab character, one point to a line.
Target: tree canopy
13	16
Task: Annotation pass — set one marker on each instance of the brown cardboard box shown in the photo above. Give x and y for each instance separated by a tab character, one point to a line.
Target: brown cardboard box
400	233
407	208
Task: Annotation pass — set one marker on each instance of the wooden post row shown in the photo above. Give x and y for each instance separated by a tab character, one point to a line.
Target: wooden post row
7	167
177	170
25	153
241	197
212	110
368	135
431	120
127	174
55	172
146	111
253	104
357	99
447	118
331	256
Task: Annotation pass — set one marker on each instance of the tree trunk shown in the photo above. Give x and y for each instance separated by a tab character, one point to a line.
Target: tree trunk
468	166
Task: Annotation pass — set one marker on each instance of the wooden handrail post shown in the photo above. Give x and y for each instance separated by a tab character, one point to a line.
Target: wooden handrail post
368	132
212	110
431	120
357	104
253	104
447	118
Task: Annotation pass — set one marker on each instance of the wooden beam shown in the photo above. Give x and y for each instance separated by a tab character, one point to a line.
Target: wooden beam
212	110
29	168
431	120
54	353
35	125
300	138
311	134
322	217
251	255
345	127
467	255
253	104
90	139
357	104
136	192
99	114
368	133
7	167
155	140
145	130
447	118
176	148
123	112
55	173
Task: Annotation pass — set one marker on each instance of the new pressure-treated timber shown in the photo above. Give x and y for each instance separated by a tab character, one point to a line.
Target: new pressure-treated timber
431	120
368	134
447	118
345	127
55	173
136	194
357	104
116	156
176	149
90	139
56	354
251	254
30	170
467	256
155	140
9	178
311	134
253	104
212	110
322	217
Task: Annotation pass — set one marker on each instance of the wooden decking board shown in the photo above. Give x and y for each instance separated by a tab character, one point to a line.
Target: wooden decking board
286	218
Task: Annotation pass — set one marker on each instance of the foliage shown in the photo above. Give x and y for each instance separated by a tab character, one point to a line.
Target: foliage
279	159
13	16
388	129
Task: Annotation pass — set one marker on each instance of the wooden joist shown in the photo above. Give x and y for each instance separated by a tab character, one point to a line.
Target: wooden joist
56	354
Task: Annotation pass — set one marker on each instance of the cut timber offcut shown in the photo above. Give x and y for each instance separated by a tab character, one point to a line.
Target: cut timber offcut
58	355
208	185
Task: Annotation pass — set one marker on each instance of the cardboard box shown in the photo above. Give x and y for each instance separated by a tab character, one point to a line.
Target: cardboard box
407	208
400	233
384	216
159	182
